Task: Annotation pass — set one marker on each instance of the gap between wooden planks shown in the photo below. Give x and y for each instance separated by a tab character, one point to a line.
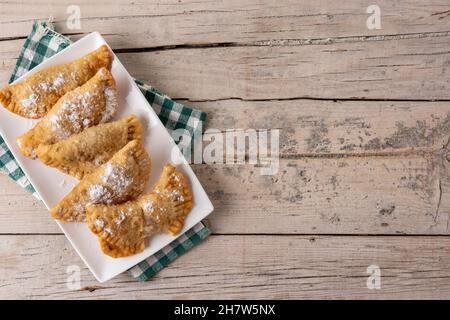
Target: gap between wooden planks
303	267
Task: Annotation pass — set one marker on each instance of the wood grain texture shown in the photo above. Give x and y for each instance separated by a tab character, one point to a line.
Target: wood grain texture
364	120
34	267
143	24
408	69
312	128
381	195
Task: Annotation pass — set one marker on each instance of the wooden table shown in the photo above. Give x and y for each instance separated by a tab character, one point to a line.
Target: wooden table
364	119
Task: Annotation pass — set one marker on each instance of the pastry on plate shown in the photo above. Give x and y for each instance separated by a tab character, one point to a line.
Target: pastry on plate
120	179
122	229
92	103
169	202
82	153
33	97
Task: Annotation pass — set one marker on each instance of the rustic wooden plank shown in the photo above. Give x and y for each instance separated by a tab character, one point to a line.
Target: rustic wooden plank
311	127
336	196
344	195
34	267
131	24
9	51
405	69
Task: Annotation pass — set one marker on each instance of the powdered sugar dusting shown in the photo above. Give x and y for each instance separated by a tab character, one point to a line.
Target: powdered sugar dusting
108	171
98	193
99	223
111	104
73	117
148	206
108	230
79	208
43	86
161	211
29	104
176	178
176	195
58	81
120	219
115	185
86	122
116	177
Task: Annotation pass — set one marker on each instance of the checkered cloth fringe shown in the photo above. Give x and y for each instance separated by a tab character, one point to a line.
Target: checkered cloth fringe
43	42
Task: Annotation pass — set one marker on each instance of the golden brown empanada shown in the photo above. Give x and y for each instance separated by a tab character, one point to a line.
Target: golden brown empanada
122	228
35	96
169	202
81	153
120	179
92	103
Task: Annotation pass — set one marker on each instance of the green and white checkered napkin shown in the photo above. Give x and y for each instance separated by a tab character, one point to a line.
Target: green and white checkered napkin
43	42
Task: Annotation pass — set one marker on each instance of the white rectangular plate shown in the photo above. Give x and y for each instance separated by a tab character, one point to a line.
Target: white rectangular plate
53	185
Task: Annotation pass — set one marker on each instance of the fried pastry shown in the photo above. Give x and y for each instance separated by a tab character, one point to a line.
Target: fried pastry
92	103
170	201
120	179
81	153
33	97
122	229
